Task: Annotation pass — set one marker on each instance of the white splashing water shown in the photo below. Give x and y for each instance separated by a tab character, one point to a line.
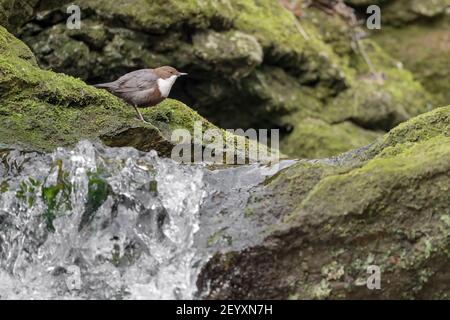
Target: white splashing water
138	244
114	223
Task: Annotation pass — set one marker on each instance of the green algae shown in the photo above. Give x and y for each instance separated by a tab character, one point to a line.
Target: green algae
56	195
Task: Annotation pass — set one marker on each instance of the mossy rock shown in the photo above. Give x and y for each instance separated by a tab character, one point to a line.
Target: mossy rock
332	219
250	65
399	12
315	138
421	128
14	13
416	33
42	110
234	52
423	48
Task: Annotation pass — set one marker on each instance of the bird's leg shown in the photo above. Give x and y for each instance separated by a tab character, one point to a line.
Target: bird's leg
140	115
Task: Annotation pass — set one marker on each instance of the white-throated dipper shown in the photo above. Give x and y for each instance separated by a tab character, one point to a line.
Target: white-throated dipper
144	88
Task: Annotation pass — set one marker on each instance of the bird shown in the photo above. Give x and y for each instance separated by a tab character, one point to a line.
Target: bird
144	88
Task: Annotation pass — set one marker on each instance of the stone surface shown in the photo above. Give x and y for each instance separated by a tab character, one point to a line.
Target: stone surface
327	220
424	48
417	33
250	65
386	205
15	13
42	110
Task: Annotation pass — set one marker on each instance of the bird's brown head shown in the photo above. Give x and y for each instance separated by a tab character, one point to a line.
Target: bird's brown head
166	72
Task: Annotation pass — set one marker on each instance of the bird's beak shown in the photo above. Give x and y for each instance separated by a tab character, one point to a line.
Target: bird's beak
182	74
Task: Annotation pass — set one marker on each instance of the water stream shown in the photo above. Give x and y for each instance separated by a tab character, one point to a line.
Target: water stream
114	223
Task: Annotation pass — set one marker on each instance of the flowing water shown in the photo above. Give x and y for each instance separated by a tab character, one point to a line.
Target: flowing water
114	223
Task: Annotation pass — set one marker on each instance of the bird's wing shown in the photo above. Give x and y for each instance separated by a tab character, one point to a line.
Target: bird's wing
139	80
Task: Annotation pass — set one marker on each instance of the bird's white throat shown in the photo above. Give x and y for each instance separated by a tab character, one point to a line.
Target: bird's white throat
165	85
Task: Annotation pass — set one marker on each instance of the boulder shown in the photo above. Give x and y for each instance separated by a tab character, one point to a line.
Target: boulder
15	13
423	48
383	207
251	65
42	110
416	33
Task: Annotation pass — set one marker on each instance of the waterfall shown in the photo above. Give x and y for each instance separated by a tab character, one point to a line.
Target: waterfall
114	223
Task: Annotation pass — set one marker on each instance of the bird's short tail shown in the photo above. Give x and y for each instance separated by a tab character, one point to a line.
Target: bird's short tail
103	85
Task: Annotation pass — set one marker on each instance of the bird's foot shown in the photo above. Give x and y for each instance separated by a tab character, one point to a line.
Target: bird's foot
140	115
144	121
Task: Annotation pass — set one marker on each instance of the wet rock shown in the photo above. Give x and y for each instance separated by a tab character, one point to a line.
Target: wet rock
385	206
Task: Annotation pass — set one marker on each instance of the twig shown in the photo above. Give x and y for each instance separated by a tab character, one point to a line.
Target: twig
365	56
300	28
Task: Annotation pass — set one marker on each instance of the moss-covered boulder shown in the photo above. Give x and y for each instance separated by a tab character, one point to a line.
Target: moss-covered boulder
424	48
386	205
417	33
14	13
251	65
42	110
399	12
381	94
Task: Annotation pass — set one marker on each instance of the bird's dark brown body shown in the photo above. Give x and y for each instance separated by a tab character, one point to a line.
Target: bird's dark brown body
145	87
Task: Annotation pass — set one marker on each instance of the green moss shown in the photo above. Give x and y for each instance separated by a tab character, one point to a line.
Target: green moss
378	203
153	187
331	29
421	128
243	53
421	47
13	13
161	15
232	52
10	46
45	110
390	210
4	186
278	30
399	12
26	192
370	105
176	116
380	178
315	138
98	191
